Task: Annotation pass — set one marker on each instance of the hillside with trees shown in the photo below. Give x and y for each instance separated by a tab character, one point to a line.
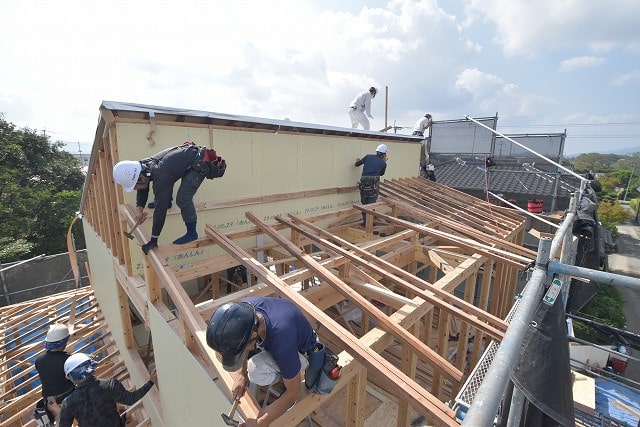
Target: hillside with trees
40	191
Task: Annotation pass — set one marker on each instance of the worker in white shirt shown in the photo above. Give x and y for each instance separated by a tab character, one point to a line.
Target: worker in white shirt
422	125
360	108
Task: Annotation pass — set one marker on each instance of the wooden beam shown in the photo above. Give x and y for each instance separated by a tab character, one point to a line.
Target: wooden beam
403	335
396	379
405	280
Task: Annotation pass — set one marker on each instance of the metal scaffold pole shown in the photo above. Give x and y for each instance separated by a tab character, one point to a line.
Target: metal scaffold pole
485	405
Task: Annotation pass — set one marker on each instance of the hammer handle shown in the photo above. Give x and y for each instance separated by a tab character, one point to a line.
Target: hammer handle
232	412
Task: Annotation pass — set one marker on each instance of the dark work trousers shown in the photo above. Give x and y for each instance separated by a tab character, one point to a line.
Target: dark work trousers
369	189
188	186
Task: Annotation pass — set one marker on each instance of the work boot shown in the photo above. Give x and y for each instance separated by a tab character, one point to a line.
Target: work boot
190	236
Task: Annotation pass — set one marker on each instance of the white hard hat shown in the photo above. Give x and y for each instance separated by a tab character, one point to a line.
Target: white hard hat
126	173
78	366
382	148
430	167
57	332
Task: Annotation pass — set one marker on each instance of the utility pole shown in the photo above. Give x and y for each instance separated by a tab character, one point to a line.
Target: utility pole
629	183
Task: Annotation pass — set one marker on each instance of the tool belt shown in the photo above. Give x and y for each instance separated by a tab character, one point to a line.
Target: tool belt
209	164
323	370
369	185
43	417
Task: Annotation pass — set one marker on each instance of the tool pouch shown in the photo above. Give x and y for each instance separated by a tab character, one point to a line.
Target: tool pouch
42	416
320	381
210	164
369	185
316	361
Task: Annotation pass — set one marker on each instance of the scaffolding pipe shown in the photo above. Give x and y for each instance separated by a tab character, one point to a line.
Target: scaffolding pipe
583	180
607	349
559	237
605	277
515	410
524	211
485	405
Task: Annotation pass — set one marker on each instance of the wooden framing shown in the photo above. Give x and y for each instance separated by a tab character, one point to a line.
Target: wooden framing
421	241
24	327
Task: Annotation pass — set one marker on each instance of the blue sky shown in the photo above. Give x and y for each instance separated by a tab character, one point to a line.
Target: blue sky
543	66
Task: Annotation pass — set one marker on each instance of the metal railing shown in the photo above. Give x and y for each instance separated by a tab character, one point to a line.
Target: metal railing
553	258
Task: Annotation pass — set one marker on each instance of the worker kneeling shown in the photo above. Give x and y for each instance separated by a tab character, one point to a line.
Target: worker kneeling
279	337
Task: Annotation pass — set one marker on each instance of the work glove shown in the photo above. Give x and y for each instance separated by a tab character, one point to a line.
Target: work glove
152	243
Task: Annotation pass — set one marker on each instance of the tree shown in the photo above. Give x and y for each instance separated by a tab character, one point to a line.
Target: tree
40	191
595	162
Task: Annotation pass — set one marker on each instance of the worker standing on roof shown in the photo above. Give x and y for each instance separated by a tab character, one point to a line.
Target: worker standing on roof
50	367
422	125
188	163
263	340
360	108
375	165
93	403
428	172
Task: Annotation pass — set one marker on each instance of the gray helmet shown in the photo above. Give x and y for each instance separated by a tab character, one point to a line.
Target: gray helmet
373	90
229	331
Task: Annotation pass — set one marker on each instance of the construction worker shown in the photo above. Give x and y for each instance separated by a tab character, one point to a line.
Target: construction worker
93	403
428	172
189	163
360	106
422	125
277	335
375	165
50	367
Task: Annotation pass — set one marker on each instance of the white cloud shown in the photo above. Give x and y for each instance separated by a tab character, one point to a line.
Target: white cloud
526	28
307	60
628	78
493	94
581	62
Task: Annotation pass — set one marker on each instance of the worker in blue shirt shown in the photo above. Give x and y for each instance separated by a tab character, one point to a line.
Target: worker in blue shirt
281	332
375	165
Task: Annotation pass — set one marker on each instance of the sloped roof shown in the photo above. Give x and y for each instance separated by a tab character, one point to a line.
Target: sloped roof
522	179
24	326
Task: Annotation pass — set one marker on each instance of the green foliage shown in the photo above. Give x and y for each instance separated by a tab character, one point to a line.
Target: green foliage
40	191
606	307
595	162
610	214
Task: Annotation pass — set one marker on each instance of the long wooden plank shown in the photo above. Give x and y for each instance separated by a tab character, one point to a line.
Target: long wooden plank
418	211
437	361
197	327
499	255
404	386
410	282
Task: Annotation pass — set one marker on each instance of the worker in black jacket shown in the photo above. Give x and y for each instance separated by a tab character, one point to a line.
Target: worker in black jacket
94	401
188	163
50	367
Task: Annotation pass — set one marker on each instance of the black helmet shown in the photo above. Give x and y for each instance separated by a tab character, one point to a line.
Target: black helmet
229	331
428	116
373	90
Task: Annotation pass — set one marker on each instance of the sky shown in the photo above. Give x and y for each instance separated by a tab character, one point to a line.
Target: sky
547	66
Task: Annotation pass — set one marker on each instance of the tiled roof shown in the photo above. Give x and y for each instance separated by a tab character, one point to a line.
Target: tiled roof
513	179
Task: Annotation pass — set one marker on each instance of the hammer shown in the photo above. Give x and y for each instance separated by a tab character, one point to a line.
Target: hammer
228	419
130	233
